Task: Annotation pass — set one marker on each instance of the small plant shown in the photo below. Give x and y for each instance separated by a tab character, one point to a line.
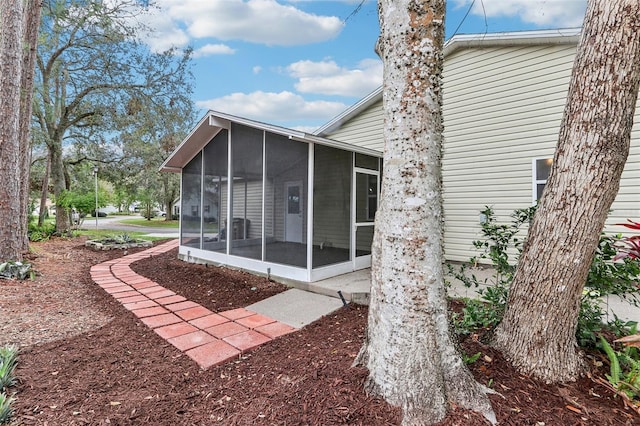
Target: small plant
624	368
5	408
471	359
8	360
16	270
502	246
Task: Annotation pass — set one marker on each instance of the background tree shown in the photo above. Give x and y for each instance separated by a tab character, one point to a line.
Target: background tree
154	133
537	333
409	351
93	74
19	21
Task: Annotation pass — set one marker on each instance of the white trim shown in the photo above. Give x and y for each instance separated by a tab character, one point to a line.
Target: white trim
201	198
329	271
264	196
253	265
360	262
228	237
352	222
310	177
512	38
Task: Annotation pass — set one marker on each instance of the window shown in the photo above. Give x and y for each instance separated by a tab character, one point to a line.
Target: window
541	170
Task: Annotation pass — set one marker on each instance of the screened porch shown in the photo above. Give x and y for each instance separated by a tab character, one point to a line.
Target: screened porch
275	201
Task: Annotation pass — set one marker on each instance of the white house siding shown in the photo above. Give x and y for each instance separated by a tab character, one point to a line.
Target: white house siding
363	130
502	108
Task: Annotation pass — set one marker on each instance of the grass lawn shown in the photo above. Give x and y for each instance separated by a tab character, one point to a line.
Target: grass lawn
156	222
94	234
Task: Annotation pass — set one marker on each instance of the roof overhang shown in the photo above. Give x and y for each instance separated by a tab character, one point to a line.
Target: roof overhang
213	122
459	42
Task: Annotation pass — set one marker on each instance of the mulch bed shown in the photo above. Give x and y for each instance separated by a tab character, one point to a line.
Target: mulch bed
122	373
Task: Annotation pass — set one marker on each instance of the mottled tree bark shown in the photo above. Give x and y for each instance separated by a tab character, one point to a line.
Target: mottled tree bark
537	333
11	30
409	351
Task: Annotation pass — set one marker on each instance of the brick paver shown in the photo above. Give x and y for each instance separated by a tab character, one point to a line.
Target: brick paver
191	340
253	321
214	353
227	329
247	340
207	338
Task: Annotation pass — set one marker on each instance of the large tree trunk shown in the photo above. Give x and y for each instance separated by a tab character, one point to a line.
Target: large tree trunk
32	25
59	184
537	333
11	30
45	192
409	350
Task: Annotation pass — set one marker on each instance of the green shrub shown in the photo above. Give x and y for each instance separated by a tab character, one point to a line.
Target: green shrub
40	233
502	245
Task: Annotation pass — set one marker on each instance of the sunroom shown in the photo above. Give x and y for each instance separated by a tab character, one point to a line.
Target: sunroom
273	200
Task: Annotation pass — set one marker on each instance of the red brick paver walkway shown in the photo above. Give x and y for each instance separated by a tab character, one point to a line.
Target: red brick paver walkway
207	337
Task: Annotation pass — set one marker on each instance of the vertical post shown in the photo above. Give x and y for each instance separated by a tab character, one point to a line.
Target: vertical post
95	174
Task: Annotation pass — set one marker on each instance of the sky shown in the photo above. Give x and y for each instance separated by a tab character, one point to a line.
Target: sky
300	63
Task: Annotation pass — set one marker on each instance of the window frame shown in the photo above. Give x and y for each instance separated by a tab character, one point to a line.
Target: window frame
535	180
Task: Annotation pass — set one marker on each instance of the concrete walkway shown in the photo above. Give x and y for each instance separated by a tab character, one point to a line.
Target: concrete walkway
206	337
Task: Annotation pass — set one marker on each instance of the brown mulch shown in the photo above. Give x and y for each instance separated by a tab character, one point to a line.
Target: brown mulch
86	360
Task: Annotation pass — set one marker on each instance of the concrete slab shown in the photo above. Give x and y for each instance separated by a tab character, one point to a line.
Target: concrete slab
296	308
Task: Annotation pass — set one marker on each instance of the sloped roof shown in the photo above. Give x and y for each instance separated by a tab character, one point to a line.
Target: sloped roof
214	121
455	43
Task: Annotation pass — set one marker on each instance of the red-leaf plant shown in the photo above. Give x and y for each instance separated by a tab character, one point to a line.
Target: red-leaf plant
629	246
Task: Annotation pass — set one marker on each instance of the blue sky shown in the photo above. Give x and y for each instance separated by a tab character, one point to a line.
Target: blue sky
300	63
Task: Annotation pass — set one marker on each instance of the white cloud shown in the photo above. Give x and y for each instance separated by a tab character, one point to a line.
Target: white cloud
257	21
555	13
164	33
327	78
213	49
257	69
273	107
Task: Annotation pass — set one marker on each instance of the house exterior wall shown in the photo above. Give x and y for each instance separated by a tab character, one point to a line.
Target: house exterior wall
363	130
502	108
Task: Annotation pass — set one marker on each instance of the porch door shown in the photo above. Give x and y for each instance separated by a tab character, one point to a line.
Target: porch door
293	212
366	192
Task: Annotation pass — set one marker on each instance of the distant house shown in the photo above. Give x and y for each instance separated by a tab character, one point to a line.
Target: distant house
504	97
274	200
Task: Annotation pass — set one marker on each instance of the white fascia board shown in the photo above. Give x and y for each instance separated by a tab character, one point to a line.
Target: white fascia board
513	38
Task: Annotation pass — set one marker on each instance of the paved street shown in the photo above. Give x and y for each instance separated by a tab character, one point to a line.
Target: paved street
114	223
